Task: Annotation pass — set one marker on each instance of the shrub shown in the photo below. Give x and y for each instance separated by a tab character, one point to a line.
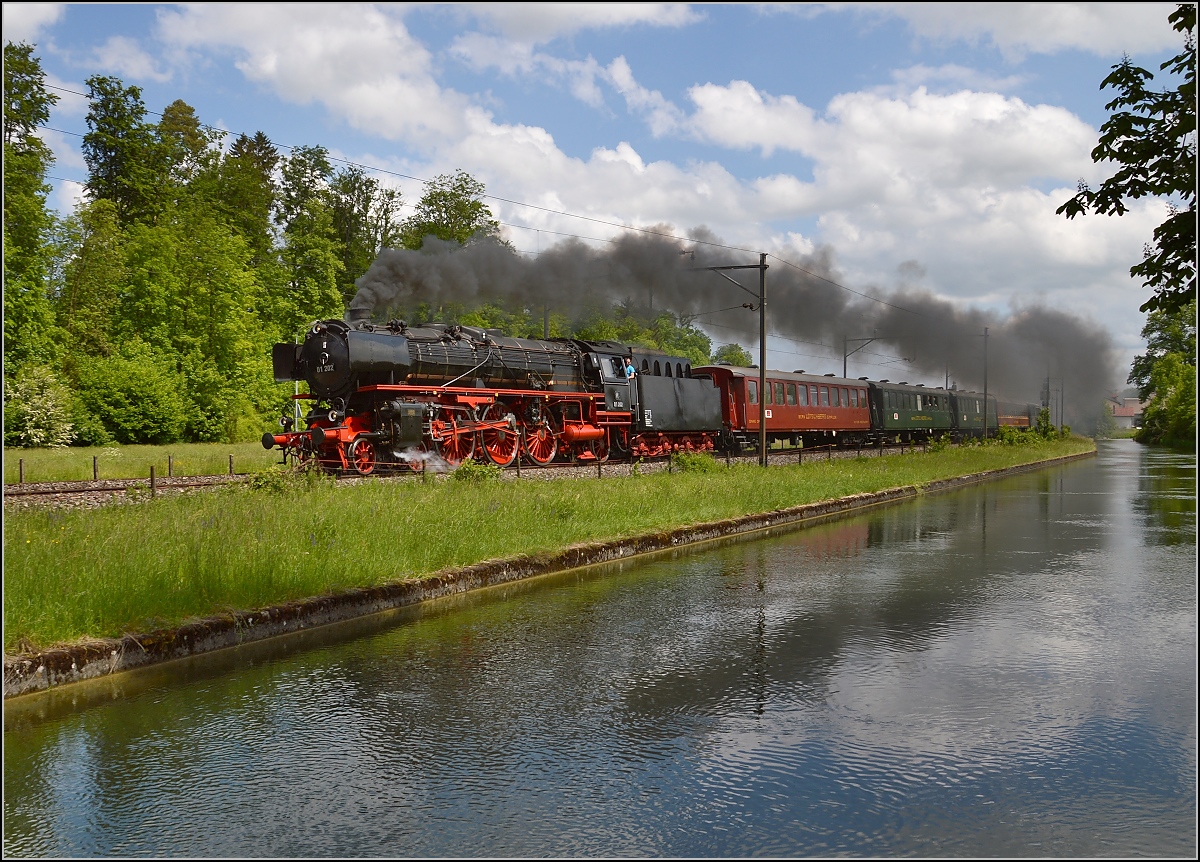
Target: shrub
273	480
477	471
1010	436
695	462
37	410
136	396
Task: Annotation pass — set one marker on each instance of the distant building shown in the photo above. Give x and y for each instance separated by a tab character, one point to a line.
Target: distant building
1126	410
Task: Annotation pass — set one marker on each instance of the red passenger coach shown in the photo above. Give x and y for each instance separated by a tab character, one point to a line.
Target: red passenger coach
799	407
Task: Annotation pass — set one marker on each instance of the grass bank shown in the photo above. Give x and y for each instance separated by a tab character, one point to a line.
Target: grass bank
74	464
105	572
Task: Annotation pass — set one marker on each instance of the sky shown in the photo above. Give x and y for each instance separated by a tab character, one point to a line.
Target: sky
915	150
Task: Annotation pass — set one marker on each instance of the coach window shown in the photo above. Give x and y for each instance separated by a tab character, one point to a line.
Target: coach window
752	391
768	396
853	397
779	397
824	396
834	400
803	395
791	394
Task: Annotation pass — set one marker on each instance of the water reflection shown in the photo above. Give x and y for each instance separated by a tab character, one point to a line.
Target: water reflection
1006	670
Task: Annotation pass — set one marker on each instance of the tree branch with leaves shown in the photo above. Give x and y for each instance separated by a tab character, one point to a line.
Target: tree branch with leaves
1151	136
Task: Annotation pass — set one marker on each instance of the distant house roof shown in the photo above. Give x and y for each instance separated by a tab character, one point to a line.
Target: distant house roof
1131	408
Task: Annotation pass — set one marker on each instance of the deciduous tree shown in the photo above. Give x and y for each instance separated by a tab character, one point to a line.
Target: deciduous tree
1151	137
28	224
125	158
452	209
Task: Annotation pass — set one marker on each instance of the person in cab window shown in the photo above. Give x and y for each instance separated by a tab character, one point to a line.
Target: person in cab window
630	371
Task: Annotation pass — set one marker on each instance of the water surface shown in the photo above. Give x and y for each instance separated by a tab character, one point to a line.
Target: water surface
1006	670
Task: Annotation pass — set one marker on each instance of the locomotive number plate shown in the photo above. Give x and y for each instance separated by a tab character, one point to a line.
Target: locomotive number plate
322	369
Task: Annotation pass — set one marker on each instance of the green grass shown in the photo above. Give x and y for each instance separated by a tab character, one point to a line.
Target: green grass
134	462
102	572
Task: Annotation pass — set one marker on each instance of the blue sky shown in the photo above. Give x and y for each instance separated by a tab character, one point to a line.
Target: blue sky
923	146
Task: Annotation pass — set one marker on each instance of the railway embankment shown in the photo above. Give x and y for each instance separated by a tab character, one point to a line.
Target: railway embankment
94	592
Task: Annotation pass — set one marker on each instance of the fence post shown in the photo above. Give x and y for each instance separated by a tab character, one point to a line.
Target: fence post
518	463
170	466
799	455
829	453
95	469
230	463
153	488
598	468
22	460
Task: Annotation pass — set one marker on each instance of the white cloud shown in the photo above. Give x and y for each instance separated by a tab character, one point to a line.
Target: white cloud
67	155
661	115
125	57
535	23
69	103
67	196
359	62
24	22
741	117
510	58
1016	29
950	77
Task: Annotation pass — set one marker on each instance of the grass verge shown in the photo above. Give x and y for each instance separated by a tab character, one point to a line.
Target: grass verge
74	464
104	572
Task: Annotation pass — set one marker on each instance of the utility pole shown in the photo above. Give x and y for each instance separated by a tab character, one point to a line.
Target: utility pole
985	392
762	267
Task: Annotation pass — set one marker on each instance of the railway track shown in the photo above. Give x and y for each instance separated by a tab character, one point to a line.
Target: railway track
88	494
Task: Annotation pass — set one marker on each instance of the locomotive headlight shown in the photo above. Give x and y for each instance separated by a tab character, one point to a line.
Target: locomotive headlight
333	416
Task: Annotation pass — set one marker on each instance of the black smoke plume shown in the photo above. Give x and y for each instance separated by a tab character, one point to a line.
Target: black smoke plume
920	337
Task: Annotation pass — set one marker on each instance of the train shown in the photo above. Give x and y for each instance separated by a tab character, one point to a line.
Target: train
388	397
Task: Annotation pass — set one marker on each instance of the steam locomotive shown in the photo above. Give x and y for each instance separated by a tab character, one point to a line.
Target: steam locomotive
387	397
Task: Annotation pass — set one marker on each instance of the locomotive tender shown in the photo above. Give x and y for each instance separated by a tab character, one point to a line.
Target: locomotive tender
385	397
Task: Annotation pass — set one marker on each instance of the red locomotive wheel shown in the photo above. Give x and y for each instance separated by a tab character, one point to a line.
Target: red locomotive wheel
500	445
362	456
619	440
541	443
600	448
457	444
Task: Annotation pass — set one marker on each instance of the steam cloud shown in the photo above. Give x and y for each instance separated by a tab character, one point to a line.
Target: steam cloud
937	337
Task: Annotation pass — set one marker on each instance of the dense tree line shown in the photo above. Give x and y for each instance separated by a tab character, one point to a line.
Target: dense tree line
147	315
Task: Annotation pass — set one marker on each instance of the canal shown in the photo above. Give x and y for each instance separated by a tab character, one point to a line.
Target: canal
1007	670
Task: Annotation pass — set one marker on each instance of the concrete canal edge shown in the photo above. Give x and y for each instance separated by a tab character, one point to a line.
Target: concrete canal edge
54	667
